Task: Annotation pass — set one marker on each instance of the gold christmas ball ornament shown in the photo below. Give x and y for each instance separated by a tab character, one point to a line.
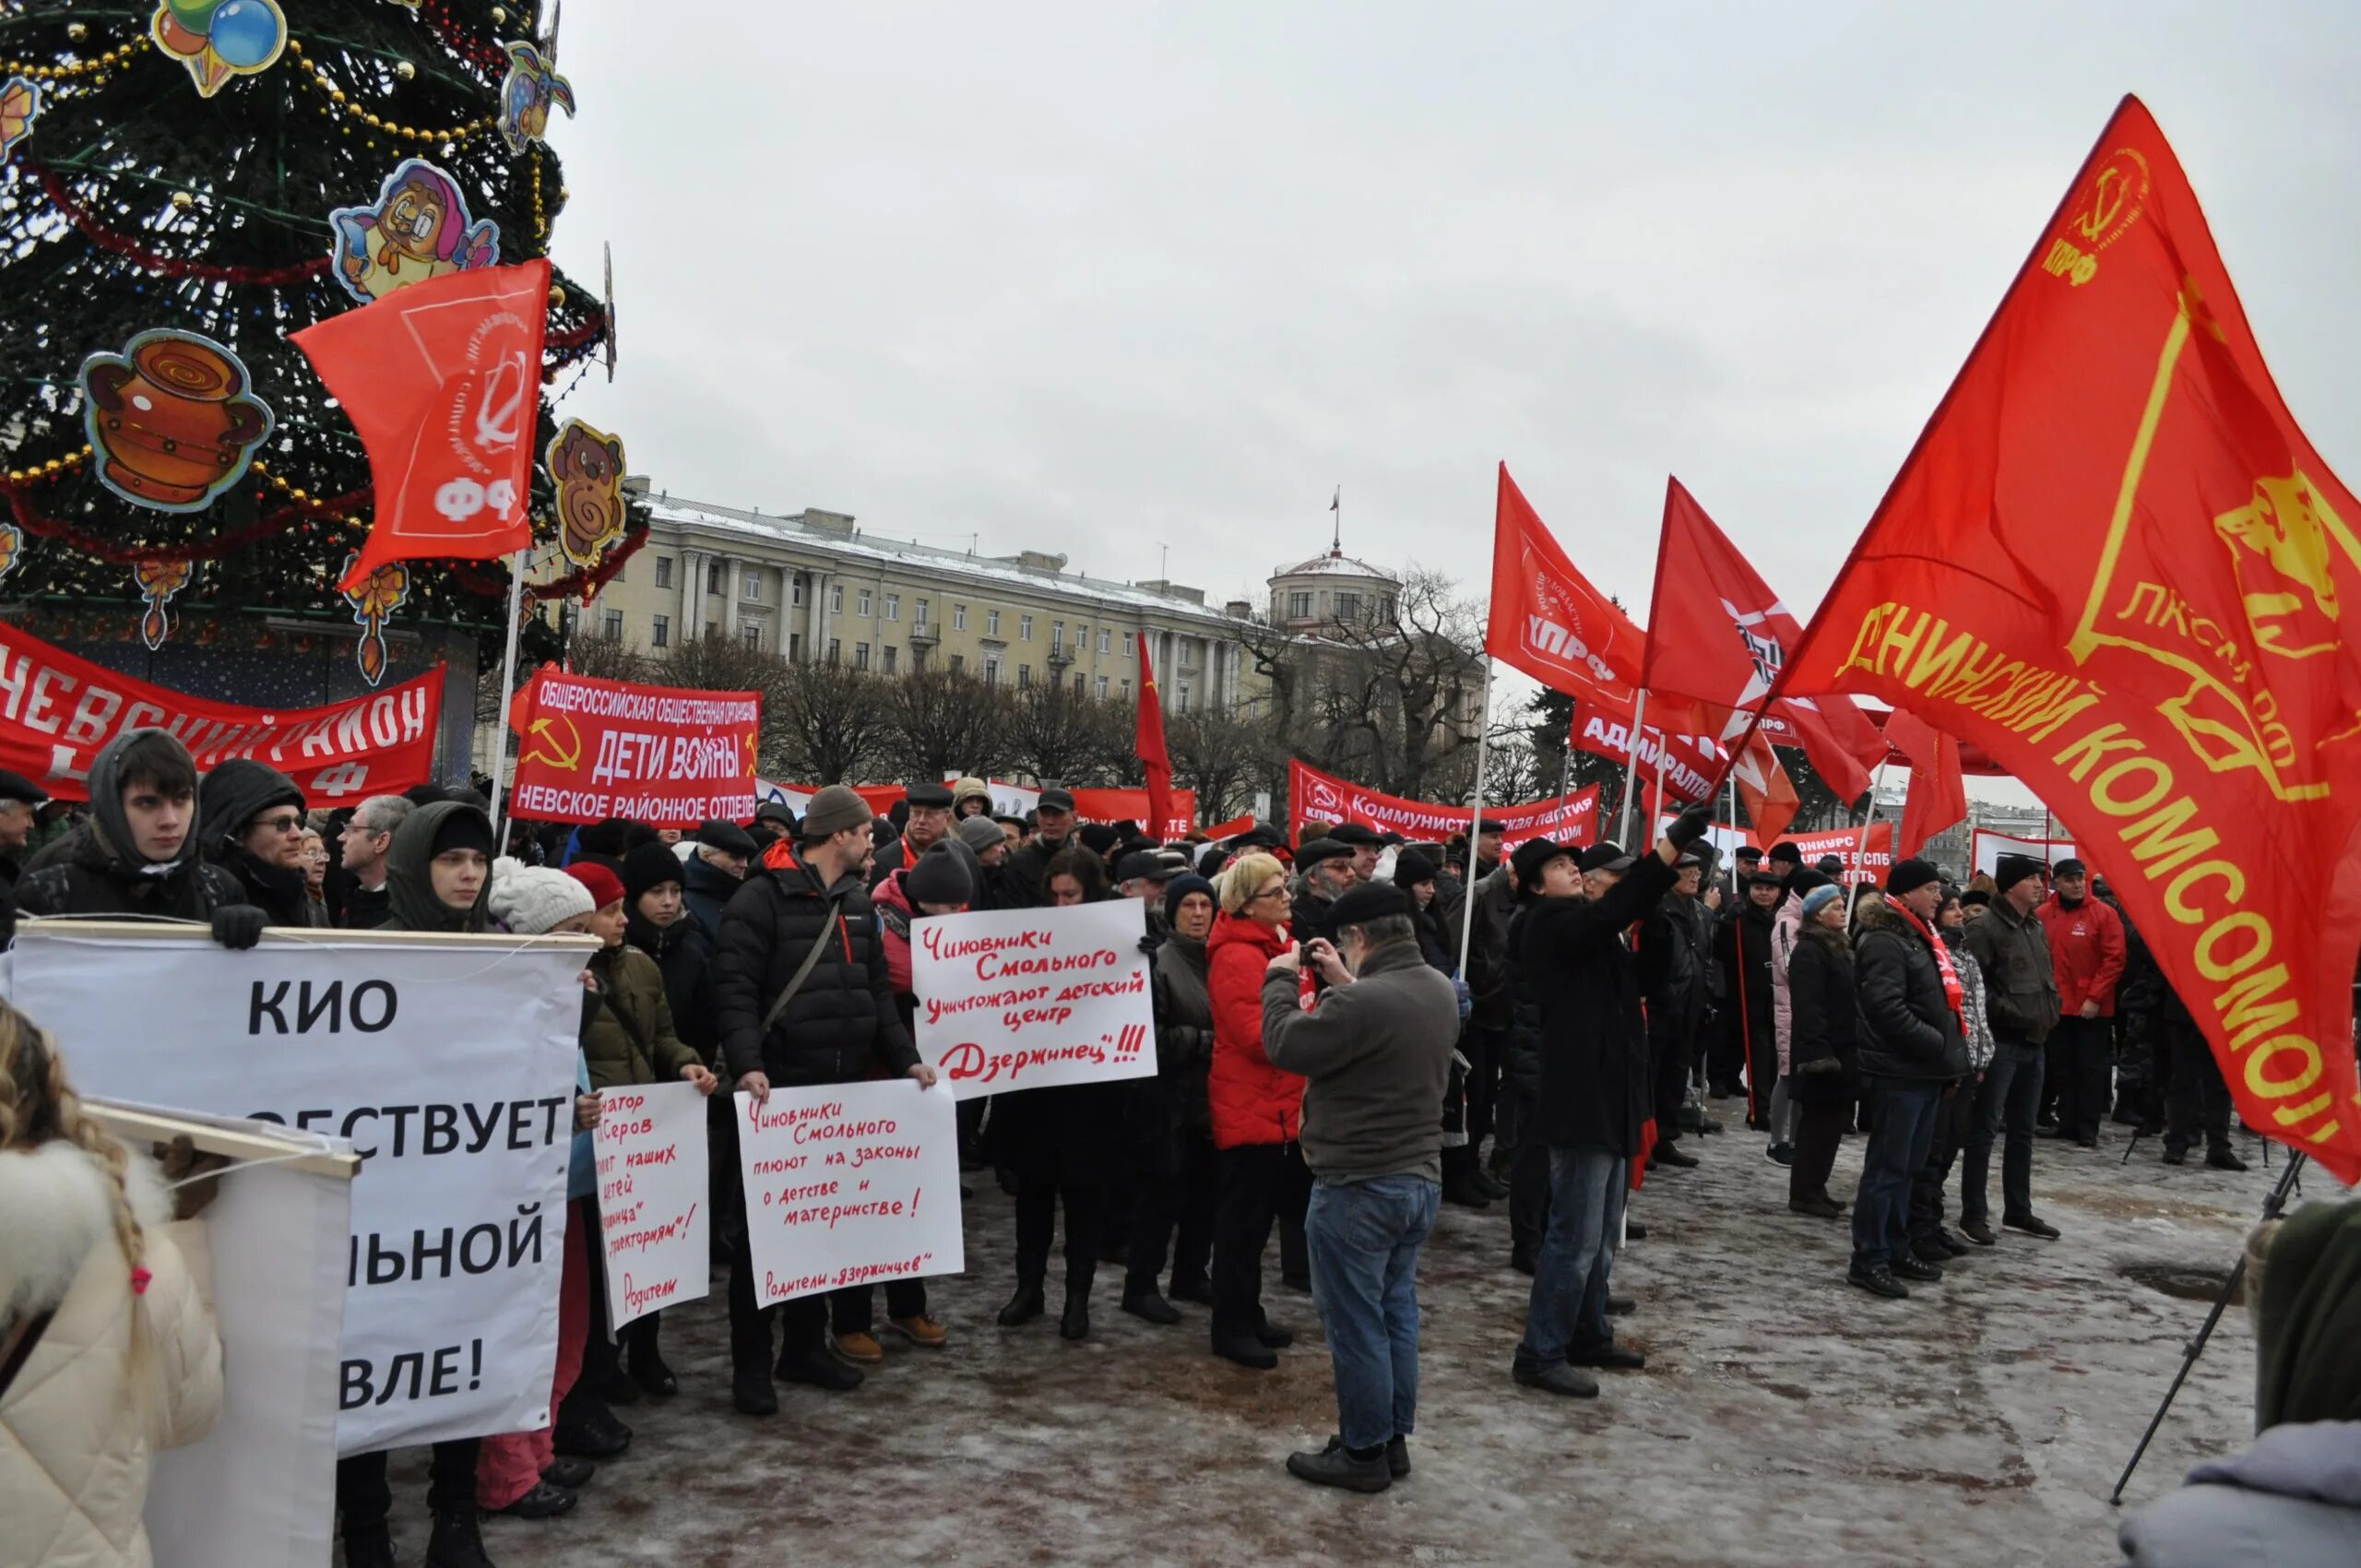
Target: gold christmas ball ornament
404	69
184	199
557	294
77	31
499	15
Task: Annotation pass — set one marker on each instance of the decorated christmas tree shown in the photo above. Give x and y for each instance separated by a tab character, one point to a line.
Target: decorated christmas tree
183	185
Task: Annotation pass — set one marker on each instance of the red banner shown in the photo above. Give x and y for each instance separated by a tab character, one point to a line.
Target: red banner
1315	796
57	710
588	750
2114	562
1867	854
1604	735
1089	805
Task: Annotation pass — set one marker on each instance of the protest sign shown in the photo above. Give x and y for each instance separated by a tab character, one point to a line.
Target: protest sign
57	711
1315	796
1865	852
652	1217
588	749
259	1489
446	1061
1986	848
1026	999
849	1185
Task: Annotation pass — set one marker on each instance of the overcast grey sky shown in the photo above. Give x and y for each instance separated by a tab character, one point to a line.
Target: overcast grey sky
1094	278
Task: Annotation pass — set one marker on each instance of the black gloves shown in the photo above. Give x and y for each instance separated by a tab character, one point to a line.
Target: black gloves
238	926
1150	943
1690	827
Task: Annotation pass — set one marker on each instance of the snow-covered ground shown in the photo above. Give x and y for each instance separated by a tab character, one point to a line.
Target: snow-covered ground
1784	1418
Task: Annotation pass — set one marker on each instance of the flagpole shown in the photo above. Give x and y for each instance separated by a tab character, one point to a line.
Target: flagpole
1566	765
1632	769
1476	822
1861	851
507	686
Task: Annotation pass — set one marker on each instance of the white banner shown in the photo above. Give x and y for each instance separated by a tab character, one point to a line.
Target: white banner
1988	847
652	1220
448	1061
1025	999
849	1185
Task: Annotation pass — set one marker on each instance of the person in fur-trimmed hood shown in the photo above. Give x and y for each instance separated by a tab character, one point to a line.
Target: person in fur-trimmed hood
108	1349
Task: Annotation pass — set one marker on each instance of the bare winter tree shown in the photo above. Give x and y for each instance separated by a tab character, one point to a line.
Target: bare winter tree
1220	755
945	721
725	664
837	725
1393	686
1056	733
606	658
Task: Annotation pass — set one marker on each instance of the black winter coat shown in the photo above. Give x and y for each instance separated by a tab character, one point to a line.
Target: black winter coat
1521	1062
94	870
1824	1021
1489	948
843	1022
1672	970
1742	947
684	959
1908	1029
1594	1040
1027	864
705	891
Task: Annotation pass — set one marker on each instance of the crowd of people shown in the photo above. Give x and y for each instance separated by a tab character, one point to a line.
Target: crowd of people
1330	1070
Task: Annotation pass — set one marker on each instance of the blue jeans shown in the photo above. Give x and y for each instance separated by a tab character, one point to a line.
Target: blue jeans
1901	1126
1568	1311
1365	1238
2008	1099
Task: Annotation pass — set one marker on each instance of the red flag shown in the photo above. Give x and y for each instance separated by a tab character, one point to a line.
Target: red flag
1149	743
1764	787
2114	562
1547	620
1938	794
443	382
1721	636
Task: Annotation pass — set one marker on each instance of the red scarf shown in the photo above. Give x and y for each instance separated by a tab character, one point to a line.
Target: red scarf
1953	993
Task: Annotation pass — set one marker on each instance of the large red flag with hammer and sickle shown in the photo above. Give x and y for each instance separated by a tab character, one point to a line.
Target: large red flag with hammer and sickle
2114	562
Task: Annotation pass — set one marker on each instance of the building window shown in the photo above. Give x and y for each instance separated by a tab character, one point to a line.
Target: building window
1024	677
958	617
1057	637
1077	682
1102	688
890	651
835	650
1348	607
918	614
663	571
1025	628
1385	608
750	587
713	628
1082	639
867	605
991	670
1127	644
1180	699
795	587
662	635
713	577
958	664
861	656
795	645
1300	606
892	607
1105	640
992	623
836	599
1125	687
614	624
750	634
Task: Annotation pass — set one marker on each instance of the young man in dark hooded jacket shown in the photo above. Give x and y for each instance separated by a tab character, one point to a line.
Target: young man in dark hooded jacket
138	853
254	830
438	872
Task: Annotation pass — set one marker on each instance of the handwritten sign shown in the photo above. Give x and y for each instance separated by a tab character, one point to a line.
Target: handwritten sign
849	1184
652	1215
1025	999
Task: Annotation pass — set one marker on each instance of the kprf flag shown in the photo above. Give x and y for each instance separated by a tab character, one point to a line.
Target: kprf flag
1149	741
443	382
1547	620
1938	794
2114	562
1721	638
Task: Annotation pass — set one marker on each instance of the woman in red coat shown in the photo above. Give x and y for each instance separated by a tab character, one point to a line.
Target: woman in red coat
1257	1111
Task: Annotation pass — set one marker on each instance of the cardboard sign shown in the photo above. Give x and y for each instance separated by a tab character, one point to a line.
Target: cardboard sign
653	1221
448	1062
849	1185
1024	999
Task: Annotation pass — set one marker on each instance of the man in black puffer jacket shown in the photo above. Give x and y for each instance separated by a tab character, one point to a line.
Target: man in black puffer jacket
839	1023
136	857
1913	1051
254	830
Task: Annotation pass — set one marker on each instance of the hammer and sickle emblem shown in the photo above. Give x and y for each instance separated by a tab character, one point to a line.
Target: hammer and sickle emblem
544	732
2105	205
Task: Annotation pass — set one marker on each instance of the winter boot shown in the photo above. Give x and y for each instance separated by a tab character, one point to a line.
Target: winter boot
1074	1321
373	1550
457	1541
1028	1303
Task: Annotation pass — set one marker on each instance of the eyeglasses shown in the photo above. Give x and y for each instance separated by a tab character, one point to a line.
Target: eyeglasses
279	824
1278	892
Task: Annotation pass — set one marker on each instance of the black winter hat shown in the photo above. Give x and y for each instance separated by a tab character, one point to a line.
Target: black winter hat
1098	837
650	866
1529	857
1412	867
16	786
1370	902
1180	888
940	877
1359	834
1321	850
1908	875
1785	850
2069	866
2013	869
728	837
1607	857
928	793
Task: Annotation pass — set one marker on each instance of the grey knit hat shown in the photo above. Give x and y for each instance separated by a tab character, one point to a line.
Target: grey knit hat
833	810
980	832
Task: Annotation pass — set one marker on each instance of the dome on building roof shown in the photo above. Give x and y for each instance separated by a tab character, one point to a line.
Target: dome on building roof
1335	564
